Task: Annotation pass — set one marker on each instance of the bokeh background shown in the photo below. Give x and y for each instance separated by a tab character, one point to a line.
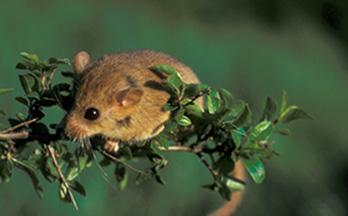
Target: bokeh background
252	48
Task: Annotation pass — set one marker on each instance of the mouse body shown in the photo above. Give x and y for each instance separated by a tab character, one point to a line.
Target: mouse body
121	98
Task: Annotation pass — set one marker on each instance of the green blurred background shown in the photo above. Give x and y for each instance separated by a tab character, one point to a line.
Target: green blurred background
252	48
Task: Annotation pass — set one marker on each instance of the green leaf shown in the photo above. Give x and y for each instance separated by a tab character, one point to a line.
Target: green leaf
166	69
212	104
63	193
3	112
195	108
226	97
282	131
29	83
49	171
225	191
29	169
162	140
21	116
262	131
31	57
3	91
22	100
78	187
284	101
53	60
204	88
75	166
160	179
175	81
269	109
155	148
244	118
225	165
121	175
6	167
237	136
170	125
234	185
185	121
255	168
293	113
192	90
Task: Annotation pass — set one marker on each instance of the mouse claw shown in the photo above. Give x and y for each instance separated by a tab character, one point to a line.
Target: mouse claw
112	145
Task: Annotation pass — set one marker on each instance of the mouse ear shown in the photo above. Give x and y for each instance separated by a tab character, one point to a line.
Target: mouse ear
80	62
129	96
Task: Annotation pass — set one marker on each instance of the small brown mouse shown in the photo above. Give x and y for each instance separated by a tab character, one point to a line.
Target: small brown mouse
121	98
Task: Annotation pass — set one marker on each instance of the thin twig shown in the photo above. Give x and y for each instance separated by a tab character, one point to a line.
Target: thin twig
17	126
213	172
119	161
181	149
49	80
13	136
51	151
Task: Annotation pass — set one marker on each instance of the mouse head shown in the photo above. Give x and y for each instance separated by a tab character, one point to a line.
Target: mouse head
104	102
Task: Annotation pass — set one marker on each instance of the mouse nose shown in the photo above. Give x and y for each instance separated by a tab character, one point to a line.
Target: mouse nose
74	129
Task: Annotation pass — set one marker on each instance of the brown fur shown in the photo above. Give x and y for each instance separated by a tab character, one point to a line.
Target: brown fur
129	97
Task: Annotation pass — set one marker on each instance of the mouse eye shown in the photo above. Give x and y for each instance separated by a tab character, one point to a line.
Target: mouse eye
92	114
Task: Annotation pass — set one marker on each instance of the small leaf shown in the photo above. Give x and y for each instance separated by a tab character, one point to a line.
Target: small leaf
175	81
244	118
26	167
204	88
225	191
234	185
255	168
170	125
162	140
155	148
284	101
3	91
283	131
166	69
262	131
121	176
63	193
269	109
212	104
237	136
22	100
49	171
225	165
160	179
78	187
31	57
293	113
21	116
192	90
185	121
29	83
3	112
6	167
226	97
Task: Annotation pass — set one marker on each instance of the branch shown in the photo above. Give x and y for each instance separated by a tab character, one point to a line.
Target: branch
213	172
197	151
12	136
51	151
181	149
17	126
119	161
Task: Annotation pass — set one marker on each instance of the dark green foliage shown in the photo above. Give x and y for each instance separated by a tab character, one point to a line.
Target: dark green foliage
220	133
